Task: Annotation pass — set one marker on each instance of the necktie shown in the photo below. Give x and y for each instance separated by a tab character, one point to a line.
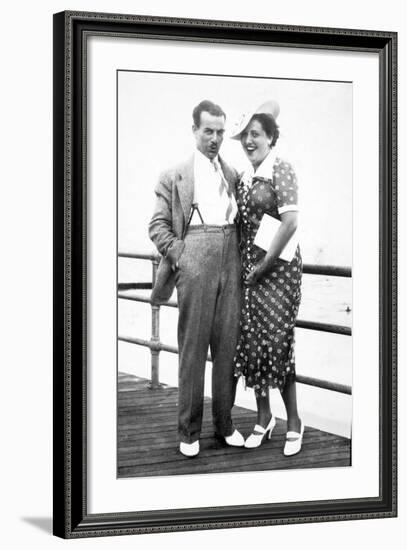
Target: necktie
223	188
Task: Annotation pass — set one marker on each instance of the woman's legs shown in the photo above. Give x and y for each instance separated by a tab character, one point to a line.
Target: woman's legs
263	409
289	395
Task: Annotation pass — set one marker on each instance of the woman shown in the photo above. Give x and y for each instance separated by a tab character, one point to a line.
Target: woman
271	286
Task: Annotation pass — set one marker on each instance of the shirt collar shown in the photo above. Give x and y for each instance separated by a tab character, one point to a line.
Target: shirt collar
202	161
265	170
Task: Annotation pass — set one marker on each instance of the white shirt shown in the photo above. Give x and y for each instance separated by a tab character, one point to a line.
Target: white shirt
212	203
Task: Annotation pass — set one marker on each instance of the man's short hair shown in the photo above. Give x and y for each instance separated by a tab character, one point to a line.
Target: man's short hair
208	107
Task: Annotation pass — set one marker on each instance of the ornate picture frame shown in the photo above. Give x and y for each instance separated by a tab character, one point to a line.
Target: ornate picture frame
72	515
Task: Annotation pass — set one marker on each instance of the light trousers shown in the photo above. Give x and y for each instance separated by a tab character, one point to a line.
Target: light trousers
208	288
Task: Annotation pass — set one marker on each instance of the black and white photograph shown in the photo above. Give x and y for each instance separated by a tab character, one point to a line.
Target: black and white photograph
201	251
234	273
224	274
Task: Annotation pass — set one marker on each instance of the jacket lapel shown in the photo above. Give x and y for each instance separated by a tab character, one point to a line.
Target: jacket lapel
185	187
229	174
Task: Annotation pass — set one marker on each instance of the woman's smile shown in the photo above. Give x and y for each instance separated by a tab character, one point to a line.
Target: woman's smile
255	143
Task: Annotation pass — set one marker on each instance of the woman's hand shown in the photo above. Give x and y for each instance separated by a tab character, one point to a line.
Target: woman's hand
256	273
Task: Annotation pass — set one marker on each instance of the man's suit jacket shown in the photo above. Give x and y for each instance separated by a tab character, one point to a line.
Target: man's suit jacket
174	198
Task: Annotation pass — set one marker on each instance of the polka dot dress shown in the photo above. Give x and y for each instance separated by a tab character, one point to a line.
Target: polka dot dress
265	351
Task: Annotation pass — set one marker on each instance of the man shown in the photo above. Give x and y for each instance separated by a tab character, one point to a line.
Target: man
193	228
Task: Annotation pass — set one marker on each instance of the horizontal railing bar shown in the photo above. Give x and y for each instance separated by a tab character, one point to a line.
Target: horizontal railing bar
135	286
310	325
330	270
323	384
157	346
145	299
310	269
138	256
324	327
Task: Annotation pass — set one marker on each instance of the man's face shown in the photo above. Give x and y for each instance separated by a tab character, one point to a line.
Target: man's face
209	134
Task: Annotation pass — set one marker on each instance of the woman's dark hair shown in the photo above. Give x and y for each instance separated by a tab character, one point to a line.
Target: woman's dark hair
269	126
208	107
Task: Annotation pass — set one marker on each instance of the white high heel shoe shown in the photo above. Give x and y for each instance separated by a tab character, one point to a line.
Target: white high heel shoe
293	447
235	440
255	439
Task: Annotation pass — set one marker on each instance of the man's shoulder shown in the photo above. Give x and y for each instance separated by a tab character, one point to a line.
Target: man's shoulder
229	171
174	172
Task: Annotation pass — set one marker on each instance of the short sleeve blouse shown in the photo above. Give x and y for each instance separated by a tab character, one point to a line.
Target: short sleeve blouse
285	187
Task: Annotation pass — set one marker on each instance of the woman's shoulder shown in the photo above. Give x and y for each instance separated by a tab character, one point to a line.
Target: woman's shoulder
284	172
279	167
283	165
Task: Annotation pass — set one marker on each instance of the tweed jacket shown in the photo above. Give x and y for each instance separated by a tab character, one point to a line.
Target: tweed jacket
174	197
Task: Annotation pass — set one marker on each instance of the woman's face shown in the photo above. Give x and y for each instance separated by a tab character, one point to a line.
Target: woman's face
255	143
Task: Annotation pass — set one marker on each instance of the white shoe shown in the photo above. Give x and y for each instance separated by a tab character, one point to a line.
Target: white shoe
235	440
189	449
293	447
255	439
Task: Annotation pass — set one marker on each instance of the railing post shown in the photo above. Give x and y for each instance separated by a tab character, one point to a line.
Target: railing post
155	336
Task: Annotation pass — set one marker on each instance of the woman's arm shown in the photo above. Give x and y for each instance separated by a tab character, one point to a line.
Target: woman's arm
289	223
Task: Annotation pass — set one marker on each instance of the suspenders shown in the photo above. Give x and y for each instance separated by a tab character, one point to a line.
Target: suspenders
193	209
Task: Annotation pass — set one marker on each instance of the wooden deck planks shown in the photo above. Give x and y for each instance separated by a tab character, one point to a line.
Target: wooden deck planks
148	441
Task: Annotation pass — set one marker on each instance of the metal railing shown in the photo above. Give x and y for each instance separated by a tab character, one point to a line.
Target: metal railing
156	346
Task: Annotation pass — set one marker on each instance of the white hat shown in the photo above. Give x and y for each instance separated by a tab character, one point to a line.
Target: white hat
270	107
